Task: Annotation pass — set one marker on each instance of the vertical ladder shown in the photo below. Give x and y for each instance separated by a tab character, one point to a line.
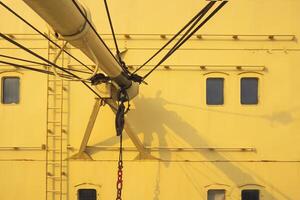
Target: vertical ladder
57	131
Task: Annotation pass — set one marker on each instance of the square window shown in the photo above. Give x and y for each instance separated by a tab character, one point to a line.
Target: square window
216	195
87	194
249	91
10	90
215	91
250	195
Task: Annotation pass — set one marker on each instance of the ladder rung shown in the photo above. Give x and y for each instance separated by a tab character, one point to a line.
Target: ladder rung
57	164
54	162
53	149
63	152
55	136
54	94
58	138
57	177
53	78
56	191
50	94
58	87
62	125
59	98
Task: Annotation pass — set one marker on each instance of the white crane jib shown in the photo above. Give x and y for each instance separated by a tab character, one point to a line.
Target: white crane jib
66	20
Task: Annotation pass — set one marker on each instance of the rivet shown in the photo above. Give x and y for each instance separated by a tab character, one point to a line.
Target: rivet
203	67
271	37
239	67
163	36
167	67
235	37
199	37
127	36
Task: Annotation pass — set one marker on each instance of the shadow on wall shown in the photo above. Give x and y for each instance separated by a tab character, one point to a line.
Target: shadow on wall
276	117
152	118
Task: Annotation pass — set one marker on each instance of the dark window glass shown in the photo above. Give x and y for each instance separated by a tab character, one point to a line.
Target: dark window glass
10	90
249	90
250	195
216	195
87	194
215	91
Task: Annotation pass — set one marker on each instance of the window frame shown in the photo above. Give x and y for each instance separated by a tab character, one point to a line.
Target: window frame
213	189
258	89
218	186
2	90
94	189
251	189
223	90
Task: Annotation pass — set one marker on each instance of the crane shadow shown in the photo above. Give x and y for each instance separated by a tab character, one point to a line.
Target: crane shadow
152	119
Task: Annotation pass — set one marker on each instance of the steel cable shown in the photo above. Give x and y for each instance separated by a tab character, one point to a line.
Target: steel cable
47	61
112	30
200	13
31	68
174	48
39	63
95	31
42	34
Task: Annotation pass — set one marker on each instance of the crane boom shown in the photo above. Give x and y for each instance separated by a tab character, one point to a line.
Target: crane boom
66	20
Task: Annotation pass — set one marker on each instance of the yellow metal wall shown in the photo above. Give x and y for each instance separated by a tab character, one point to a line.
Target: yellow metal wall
198	147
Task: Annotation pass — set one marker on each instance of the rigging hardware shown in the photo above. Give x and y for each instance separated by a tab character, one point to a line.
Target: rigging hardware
120	120
47	61
99	78
122	110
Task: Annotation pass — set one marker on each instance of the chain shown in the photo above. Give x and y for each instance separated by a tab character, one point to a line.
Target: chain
120	171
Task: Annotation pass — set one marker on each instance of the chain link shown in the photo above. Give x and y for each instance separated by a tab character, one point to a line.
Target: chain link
120	171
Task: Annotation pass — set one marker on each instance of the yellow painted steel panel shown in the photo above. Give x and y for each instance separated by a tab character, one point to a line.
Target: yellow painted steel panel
196	147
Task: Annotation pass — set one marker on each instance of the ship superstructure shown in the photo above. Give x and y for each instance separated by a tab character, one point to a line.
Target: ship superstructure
217	120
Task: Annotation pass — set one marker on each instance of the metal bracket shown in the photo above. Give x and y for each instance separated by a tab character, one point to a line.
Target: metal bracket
143	152
82	154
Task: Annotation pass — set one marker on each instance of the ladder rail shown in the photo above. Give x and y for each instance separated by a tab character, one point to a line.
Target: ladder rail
57	132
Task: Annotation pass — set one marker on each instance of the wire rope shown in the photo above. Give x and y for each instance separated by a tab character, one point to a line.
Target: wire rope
47	61
173	38
95	31
172	50
42	34
38	63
